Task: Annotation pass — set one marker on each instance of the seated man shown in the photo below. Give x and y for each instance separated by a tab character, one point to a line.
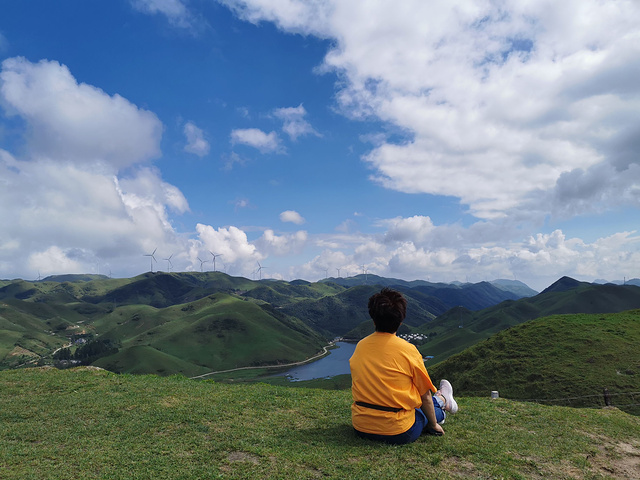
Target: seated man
390	385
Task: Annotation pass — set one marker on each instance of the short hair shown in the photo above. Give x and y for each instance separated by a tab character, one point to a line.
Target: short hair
387	309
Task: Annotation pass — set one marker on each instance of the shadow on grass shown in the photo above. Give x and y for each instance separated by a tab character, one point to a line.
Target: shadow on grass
333	435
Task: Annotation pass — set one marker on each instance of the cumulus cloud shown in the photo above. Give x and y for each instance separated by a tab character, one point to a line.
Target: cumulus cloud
416	228
406	250
292	216
294	123
54	259
231	242
76	121
281	245
67	206
497	102
595	190
256	138
47	204
196	142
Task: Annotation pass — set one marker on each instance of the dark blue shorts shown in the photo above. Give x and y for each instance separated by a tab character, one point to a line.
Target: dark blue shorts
413	433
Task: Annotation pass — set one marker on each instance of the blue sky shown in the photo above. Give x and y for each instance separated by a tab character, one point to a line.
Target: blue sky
413	140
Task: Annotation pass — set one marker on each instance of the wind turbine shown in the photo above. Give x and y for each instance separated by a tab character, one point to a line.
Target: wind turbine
365	273
152	259
202	262
214	255
338	272
260	267
169	264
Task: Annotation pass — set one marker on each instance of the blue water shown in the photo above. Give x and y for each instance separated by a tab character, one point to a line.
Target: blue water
336	363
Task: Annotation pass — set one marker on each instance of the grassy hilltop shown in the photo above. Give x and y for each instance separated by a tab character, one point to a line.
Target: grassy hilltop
94	424
91	423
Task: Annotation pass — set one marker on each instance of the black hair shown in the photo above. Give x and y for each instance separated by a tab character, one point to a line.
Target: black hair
388	310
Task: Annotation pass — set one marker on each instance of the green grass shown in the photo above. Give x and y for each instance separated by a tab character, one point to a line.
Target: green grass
217	332
570	297
553	358
98	425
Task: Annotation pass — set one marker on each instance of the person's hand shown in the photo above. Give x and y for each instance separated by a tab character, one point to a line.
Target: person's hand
435	429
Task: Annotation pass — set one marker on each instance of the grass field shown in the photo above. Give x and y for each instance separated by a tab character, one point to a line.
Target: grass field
97	425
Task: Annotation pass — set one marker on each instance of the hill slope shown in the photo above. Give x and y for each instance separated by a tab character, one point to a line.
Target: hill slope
93	425
189	323
215	333
460	328
554	358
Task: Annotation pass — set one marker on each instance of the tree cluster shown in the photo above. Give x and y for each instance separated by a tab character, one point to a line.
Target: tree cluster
89	352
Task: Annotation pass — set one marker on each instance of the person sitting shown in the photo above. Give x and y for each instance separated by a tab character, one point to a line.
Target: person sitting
391	388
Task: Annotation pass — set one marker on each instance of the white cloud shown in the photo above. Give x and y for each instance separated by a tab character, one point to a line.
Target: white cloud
417	228
241	203
281	245
230	242
176	11
292	216
294	123
65	206
498	101
53	259
77	122
48	204
256	138
231	159
196	142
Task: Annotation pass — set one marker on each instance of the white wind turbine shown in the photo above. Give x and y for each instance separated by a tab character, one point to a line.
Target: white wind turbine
365	272
259	270
169	264
152	258
202	262
214	255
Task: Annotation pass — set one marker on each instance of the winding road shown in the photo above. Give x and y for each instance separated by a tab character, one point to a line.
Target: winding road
325	350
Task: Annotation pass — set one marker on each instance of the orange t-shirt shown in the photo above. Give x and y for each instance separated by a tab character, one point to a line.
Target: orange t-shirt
388	371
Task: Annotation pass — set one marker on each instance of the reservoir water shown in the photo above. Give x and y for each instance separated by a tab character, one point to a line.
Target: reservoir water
336	363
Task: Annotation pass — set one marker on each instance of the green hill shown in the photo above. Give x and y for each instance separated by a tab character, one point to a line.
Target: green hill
554	358
215	333
460	328
209	320
345	312
189	323
94	425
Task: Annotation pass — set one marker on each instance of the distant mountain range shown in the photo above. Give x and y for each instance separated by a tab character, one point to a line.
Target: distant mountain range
518	288
192	323
632	281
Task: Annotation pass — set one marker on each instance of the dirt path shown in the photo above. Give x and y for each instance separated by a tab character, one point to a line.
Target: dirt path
325	350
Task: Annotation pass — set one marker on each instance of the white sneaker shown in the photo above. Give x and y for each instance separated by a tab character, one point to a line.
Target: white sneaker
446	390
